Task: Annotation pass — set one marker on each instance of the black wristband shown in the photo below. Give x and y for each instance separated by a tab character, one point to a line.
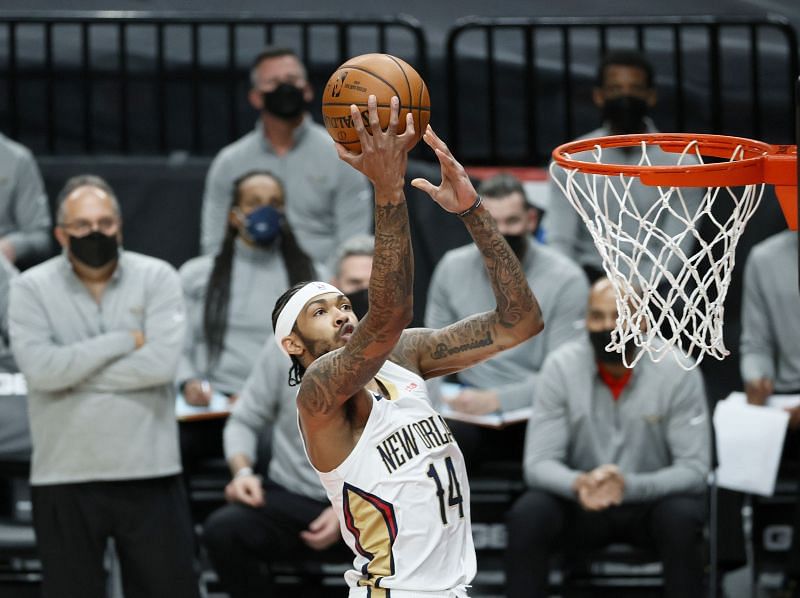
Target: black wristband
472	208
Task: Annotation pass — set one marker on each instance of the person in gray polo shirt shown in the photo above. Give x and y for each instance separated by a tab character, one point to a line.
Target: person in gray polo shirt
611	455
770	345
327	201
460	287
24	213
288	513
624	94
97	332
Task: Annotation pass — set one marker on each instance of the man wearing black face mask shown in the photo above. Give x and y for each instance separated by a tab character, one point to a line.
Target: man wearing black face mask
97	332
352	271
611	455
459	287
624	94
328	202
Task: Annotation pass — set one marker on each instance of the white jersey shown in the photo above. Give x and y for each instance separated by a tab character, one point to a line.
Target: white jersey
402	498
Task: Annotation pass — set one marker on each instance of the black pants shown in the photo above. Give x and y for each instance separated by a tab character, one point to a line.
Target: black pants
240	539
148	520
540	523
479	444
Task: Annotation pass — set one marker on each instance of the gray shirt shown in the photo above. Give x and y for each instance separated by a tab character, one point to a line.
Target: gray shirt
770	341
657	432
327	201
99	408
460	288
7	273
258	278
266	399
24	213
567	233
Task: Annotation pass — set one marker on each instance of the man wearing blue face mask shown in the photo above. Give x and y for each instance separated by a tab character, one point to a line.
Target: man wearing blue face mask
97	332
624	94
327	201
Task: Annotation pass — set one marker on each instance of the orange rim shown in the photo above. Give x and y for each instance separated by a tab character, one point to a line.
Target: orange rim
759	163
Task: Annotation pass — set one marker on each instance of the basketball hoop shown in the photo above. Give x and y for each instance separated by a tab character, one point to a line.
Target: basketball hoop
669	296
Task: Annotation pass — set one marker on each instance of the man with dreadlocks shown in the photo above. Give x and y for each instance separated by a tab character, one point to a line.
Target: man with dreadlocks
225	294
389	464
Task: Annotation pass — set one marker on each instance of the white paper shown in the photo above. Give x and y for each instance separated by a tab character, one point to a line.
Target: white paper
774	401
749	445
448	390
218	404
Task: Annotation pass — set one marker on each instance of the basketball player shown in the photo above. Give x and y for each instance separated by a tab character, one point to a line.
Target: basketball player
389	464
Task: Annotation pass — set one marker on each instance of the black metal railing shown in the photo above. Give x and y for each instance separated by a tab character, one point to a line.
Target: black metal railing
154	83
528	81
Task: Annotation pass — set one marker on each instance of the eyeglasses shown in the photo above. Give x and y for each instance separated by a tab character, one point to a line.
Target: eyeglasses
81	228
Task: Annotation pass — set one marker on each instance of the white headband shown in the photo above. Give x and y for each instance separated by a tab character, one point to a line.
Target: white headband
295	305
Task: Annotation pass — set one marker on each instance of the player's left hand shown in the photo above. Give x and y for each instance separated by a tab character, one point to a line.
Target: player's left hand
475	401
323	532
455	193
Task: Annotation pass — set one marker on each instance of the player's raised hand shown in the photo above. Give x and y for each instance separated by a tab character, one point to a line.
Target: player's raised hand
384	154
455	193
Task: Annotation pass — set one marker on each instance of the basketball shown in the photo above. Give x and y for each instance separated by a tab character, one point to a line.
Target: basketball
383	76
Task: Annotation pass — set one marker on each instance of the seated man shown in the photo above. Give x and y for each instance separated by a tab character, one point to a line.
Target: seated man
460	287
612	454
353	267
770	361
288	513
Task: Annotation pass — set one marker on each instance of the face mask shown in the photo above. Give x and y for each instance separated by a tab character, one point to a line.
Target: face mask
625	114
263	225
360	302
285	101
599	340
95	249
518	244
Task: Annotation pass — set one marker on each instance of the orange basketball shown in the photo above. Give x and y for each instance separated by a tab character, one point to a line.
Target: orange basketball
383	76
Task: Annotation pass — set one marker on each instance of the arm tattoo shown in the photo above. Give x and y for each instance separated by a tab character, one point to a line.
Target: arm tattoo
337	376
515	301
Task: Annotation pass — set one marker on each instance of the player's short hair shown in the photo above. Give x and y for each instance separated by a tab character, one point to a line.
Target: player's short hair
269	52
84	180
632	58
502	185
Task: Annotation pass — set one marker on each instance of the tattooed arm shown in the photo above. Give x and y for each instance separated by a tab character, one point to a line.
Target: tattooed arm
336	376
517	316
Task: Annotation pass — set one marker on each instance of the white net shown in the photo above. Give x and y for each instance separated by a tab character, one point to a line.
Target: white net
670	277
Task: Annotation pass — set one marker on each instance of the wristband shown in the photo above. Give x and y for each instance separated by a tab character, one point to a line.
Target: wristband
243	471
472	208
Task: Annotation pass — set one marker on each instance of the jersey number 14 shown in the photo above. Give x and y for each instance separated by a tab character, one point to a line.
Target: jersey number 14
454	497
